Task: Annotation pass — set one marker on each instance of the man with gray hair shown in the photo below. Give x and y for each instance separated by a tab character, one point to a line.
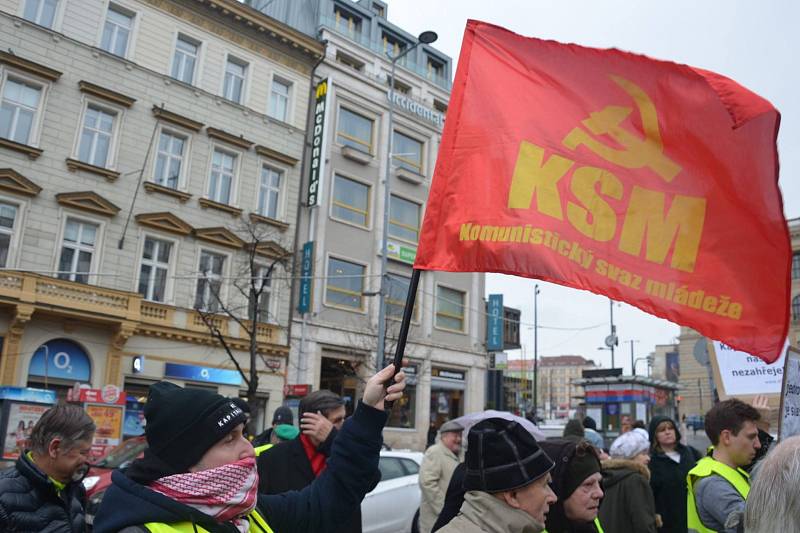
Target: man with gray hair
43	491
437	468
774	501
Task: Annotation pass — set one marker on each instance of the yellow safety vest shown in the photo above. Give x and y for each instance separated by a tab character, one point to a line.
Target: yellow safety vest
708	466
257	525
261	449
596	525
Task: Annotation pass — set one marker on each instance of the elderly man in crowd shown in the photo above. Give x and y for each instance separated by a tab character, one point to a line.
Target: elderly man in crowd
43	491
434	475
507	480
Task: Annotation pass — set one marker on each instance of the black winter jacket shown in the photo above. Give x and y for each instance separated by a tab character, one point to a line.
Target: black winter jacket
668	480
286	467
29	502
320	507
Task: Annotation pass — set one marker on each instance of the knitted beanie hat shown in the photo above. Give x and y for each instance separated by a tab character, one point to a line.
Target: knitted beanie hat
182	424
502	455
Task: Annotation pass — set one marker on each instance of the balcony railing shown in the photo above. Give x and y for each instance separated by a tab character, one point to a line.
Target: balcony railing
113	306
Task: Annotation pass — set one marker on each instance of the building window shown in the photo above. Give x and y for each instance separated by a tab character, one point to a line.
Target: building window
393	47
19	110
404	219
265	313
396	294
345	284
8	222
269	192
77	250
350	201
96	136
378	9
354	130
796	307
209	282
407	152
117	31
169	159
235	75
450	308
435	70
279	99
350	61
796	265
154	269
223	173
41	12
185	59
347	23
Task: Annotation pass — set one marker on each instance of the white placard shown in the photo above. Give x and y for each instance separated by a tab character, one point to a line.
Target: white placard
743	374
790	397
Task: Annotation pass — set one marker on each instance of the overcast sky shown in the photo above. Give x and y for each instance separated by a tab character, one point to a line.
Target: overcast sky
755	43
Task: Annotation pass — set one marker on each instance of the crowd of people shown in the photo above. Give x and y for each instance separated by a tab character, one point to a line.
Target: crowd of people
646	481
202	474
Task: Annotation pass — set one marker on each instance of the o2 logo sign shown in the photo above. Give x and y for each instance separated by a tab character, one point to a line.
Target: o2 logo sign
61	358
61	361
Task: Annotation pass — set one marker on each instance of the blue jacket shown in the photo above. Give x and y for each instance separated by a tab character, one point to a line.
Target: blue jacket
320	507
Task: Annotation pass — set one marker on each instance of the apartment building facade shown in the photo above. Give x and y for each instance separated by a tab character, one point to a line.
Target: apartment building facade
334	345
556	394
148	150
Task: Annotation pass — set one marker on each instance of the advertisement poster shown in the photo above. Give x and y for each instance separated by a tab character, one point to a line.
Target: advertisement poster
21	419
742	373
790	397
108	419
134	419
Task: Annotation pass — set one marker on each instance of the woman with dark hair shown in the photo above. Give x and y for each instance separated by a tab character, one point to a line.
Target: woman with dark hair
670	462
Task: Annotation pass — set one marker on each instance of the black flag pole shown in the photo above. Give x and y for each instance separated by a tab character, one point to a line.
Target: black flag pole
400	350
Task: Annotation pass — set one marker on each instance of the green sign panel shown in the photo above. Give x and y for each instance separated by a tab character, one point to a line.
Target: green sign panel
401	252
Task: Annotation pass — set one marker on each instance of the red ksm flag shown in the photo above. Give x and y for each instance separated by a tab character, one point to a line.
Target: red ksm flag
646	181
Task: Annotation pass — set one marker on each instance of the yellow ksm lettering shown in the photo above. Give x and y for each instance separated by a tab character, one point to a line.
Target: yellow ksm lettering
646	223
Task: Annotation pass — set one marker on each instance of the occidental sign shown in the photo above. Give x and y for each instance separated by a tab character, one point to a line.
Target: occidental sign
417	109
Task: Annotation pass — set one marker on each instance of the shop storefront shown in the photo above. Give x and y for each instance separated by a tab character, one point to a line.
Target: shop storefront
404	411
447	396
58	365
340	375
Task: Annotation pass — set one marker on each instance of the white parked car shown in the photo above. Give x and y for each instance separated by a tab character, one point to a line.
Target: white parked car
393	504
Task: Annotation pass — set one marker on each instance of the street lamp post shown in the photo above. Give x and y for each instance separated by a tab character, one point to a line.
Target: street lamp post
426	37
633	365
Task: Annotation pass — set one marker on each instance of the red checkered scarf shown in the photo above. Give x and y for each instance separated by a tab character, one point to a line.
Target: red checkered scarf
227	492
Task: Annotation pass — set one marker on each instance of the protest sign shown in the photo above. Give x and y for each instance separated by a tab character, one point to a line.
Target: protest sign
790	396
742	374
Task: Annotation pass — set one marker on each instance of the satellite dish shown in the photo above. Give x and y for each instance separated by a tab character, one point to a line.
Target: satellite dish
701	351
611	341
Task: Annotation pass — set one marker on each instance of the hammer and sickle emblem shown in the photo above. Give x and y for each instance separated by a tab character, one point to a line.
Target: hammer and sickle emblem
638	152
